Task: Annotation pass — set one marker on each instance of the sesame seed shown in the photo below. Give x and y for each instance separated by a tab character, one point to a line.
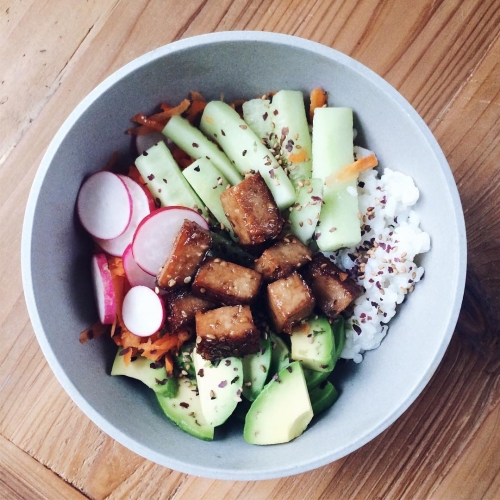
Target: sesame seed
310	190
187	279
171	283
309	221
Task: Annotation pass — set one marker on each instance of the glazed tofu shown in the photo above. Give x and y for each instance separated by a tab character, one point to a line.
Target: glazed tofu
227	283
333	289
188	251
283	258
290	300
226	331
252	211
182	308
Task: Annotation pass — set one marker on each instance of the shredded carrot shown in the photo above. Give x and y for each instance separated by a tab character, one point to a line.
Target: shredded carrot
142	119
93	332
157	121
134	174
167	112
169	364
111	162
195	110
318	100
127	356
181	157
155	350
196	96
298	157
351	171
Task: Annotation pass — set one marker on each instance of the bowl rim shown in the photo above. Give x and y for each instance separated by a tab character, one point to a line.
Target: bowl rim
189	43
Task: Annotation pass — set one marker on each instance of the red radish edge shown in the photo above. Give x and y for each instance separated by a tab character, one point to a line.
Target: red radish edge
104	291
104	205
154	237
135	275
141	207
143	311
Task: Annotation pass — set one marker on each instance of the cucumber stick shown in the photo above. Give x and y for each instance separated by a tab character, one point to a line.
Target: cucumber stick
196	145
333	150
256	113
165	180
245	149
291	132
208	183
306	210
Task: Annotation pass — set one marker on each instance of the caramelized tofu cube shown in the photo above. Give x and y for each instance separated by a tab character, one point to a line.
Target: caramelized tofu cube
252	211
226	331
290	300
283	258
225	282
182	308
333	289
188	251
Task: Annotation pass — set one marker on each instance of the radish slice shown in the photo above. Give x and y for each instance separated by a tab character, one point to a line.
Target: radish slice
154	238
144	142
140	208
135	275
151	200
104	291
143	311
104	205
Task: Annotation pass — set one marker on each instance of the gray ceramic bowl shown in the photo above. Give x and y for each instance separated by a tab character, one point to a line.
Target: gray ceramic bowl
55	254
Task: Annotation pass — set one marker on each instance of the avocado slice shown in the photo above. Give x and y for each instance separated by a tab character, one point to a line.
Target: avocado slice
145	370
313	344
255	370
314	378
185	410
282	411
219	385
338	327
323	396
280	354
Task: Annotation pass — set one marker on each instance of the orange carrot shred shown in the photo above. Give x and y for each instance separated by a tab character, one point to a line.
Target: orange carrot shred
351	171
134	174
93	332
298	157
194	110
169	364
196	96
318	100
111	162
149	122
181	157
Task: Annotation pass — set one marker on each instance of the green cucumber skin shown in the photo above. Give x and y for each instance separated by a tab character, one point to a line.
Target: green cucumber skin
290	120
338	327
165	180
208	183
257	114
196	145
333	150
256	369
311	204
245	149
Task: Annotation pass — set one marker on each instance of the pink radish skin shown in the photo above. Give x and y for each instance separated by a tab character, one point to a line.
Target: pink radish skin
135	275
104	291
154	238
151	200
143	311
104	205
140	209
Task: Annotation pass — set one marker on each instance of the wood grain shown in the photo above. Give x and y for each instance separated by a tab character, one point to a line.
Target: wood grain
443	55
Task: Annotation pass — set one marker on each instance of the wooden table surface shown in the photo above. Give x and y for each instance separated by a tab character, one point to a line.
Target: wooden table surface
442	55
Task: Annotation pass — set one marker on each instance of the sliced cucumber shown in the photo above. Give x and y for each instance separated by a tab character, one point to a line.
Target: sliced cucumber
165	180
245	149
333	150
208	183
145	370
291	133
306	210
196	145
255	370
185	410
323	397
219	386
257	114
313	344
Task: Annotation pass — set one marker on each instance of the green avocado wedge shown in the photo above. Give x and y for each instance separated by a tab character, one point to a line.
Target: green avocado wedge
323	397
282	411
184	410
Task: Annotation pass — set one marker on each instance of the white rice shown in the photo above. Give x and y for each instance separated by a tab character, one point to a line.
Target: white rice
384	262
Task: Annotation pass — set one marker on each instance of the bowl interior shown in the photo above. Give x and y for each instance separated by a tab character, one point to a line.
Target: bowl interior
56	253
